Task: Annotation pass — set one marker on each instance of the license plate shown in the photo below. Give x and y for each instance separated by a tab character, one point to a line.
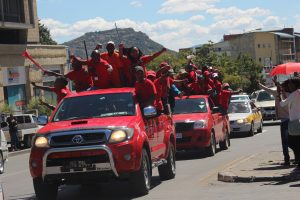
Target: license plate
78	164
178	135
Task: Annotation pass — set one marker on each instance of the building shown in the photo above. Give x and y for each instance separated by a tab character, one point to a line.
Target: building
267	48
19	31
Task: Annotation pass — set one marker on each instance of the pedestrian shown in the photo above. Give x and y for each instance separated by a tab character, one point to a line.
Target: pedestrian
293	101
13	132
283	115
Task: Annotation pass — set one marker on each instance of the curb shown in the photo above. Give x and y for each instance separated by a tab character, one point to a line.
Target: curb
16	153
230	177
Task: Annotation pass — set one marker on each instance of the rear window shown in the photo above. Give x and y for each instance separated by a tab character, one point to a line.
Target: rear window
184	106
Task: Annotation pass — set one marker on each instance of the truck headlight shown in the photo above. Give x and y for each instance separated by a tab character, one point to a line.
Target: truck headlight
41	142
200	124
121	135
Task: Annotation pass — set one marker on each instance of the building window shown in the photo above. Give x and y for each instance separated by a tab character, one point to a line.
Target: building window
15	96
258	46
264	46
30	8
13	11
259	59
269	45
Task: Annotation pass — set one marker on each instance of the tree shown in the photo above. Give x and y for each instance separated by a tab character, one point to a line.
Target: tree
45	36
34	104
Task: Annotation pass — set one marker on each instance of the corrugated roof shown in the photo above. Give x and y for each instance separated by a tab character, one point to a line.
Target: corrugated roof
297	34
283	35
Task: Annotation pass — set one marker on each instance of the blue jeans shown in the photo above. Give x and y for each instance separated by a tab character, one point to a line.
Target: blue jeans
284	139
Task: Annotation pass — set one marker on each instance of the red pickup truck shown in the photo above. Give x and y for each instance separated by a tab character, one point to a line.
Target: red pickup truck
102	135
200	125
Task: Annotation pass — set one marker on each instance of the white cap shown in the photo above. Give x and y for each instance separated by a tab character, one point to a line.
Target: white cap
110	42
214	75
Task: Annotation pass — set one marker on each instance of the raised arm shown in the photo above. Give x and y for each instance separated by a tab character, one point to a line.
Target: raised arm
155	55
46	88
52	73
268	90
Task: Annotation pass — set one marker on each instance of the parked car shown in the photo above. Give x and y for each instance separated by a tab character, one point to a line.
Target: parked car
27	128
266	103
244	117
3	148
107	137
243	97
200	125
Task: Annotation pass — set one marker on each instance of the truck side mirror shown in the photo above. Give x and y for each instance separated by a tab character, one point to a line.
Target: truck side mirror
149	112
42	120
3	124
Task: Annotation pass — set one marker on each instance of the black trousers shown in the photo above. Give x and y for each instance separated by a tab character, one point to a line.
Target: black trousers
294	144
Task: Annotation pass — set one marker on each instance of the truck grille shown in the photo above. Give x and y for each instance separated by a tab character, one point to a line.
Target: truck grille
85	138
182	126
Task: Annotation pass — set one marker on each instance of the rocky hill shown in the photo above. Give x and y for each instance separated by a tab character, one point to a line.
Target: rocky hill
127	35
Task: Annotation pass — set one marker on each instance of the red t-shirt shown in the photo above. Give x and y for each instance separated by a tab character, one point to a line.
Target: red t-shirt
196	88
192	76
129	66
61	93
225	98
100	75
81	79
207	84
116	63
163	87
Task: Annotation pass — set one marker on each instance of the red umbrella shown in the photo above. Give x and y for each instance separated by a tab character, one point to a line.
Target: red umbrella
286	69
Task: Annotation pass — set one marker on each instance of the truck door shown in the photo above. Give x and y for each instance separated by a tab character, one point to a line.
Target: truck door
217	121
163	122
151	130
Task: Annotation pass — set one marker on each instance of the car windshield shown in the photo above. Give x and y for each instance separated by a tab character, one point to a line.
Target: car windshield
184	106
239	98
239	107
96	106
264	96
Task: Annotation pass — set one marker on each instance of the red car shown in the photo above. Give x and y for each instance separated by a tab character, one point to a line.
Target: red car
200	125
98	136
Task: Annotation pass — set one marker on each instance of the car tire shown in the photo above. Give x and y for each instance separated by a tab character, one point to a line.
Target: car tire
260	129
168	170
211	150
224	145
140	181
1	163
251	132
28	141
44	190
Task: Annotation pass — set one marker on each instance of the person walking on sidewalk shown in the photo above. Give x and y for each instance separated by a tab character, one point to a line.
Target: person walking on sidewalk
282	114
13	132
293	101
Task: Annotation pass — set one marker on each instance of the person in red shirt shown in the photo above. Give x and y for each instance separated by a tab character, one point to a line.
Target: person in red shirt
81	78
113	58
208	84
217	89
60	88
151	75
100	71
145	90
190	69
133	57
163	85
225	97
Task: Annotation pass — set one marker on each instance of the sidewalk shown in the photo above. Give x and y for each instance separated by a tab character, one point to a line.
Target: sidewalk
262	167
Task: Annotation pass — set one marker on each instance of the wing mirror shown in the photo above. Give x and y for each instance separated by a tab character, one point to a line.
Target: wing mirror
149	112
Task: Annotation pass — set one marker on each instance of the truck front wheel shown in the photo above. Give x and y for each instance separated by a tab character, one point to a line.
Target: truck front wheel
44	190
140	181
168	171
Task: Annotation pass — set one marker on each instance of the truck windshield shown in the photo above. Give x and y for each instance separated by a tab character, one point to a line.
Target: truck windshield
96	106
239	107
184	106
264	96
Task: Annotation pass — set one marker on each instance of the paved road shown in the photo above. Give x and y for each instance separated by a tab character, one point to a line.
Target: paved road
196	177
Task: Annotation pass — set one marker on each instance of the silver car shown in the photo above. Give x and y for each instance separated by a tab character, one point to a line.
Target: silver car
3	148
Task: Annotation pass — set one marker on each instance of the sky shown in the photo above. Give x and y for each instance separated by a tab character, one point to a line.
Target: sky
173	23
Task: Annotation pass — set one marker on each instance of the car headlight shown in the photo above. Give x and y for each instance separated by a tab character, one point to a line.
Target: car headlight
121	135
200	124
241	121
41	142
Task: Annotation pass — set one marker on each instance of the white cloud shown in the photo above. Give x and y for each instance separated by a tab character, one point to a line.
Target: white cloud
184	6
136	4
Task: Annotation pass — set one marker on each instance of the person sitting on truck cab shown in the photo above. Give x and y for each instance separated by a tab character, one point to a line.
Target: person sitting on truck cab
60	88
145	90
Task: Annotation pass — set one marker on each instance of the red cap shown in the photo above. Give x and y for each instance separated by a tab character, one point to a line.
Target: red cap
151	73
206	73
163	70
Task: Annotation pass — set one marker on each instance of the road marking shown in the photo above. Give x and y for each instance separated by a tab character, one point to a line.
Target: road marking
229	165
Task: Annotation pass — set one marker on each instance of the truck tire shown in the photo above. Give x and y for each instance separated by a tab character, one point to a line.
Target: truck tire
224	145
1	163
168	170
44	190
211	150
140	181
260	129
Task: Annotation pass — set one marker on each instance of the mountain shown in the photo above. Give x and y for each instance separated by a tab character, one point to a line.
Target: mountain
128	36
